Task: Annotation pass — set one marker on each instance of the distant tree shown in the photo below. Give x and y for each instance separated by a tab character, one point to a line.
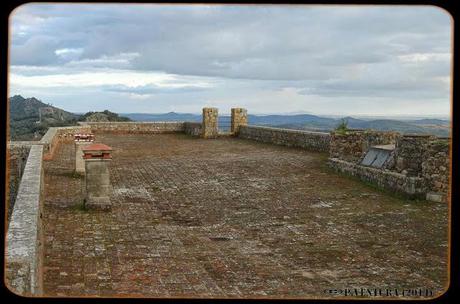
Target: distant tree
342	127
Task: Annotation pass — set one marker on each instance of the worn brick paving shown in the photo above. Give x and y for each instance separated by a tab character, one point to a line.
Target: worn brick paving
232	218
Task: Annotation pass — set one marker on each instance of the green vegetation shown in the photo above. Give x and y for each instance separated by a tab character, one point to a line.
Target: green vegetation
81	205
342	127
105	115
29	118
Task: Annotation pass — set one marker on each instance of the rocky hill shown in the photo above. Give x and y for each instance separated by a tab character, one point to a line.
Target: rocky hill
30	118
103	116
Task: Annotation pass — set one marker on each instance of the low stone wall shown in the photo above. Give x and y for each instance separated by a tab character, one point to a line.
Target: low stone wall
352	145
54	135
24	239
17	154
392	181
136	127
435	169
409	153
193	128
421	156
316	141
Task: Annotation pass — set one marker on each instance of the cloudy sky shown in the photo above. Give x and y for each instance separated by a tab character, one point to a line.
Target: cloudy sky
343	60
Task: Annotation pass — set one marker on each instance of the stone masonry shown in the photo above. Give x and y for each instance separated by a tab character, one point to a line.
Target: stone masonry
232	218
409	151
352	145
435	169
97	176
81	140
239	118
210	123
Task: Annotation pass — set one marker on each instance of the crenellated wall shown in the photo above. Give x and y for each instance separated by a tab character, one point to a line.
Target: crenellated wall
315	141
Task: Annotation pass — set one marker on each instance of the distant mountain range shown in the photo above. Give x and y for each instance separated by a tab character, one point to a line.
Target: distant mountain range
437	127
30	118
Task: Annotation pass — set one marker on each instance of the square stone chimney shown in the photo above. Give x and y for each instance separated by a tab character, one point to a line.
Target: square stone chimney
81	140
97	177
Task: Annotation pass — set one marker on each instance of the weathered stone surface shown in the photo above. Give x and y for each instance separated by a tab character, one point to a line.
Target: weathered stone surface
315	141
79	162
435	167
393	181
409	153
210	125
56	135
97	176
192	128
24	236
233	218
352	145
422	156
136	127
17	153
239	118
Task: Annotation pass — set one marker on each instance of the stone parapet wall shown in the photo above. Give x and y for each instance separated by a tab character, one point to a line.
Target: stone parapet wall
315	141
24	239
409	152
17	154
193	128
55	135
385	179
421	156
352	145
435	167
136	127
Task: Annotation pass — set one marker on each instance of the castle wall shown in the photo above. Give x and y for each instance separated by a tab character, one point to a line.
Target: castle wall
193	128
24	239
210	123
352	145
136	127
435	169
420	156
55	135
315	141
239	118
392	181
16	156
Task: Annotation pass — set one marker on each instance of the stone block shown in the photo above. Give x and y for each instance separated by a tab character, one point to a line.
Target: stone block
210	123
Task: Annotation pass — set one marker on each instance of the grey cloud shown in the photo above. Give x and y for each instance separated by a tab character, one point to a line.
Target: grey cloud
152	89
252	42
328	51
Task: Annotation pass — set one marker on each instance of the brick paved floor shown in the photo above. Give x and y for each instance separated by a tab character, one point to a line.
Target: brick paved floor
233	218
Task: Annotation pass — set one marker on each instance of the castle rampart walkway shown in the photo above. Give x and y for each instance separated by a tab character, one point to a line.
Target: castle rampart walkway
232	218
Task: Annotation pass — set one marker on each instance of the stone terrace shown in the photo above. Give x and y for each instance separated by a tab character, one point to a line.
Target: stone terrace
232	218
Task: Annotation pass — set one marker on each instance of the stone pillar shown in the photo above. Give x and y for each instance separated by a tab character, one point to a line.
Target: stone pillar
409	153
239	118
81	140
97	178
210	123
